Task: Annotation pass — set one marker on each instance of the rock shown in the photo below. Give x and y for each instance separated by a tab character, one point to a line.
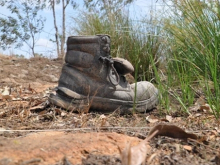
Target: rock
53	78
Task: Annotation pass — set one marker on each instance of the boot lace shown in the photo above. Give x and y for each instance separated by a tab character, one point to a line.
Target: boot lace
112	73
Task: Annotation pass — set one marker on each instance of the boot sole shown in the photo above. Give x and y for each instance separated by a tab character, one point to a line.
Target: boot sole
73	101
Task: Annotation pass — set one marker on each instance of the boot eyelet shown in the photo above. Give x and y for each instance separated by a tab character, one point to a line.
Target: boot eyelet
104	39
106	49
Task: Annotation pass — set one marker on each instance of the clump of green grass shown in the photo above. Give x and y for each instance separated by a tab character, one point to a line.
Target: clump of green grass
193	28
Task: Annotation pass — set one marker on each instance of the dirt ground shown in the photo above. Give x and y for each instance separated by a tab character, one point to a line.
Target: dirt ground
34	132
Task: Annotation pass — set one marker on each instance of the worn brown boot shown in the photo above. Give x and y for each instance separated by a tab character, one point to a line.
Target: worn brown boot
91	79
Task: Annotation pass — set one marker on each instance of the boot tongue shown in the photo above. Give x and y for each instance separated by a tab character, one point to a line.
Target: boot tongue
112	73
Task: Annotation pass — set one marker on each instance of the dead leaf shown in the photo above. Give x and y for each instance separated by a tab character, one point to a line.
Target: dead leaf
188	148
197	106
103	119
212	137
202	139
63	114
200	101
6	91
136	155
150	120
172	131
169	118
198	115
206	107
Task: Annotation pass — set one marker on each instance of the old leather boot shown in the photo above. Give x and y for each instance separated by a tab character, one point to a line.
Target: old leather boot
91	79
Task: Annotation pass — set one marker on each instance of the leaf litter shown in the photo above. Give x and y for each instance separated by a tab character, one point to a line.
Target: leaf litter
24	110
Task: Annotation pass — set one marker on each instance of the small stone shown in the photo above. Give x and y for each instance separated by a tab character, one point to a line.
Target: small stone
53	78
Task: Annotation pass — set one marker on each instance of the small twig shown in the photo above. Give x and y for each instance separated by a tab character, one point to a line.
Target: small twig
193	140
35	160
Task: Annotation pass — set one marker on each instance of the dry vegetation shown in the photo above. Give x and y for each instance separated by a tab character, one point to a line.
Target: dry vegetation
34	132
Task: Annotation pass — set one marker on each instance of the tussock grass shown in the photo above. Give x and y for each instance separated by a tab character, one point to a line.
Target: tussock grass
194	35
